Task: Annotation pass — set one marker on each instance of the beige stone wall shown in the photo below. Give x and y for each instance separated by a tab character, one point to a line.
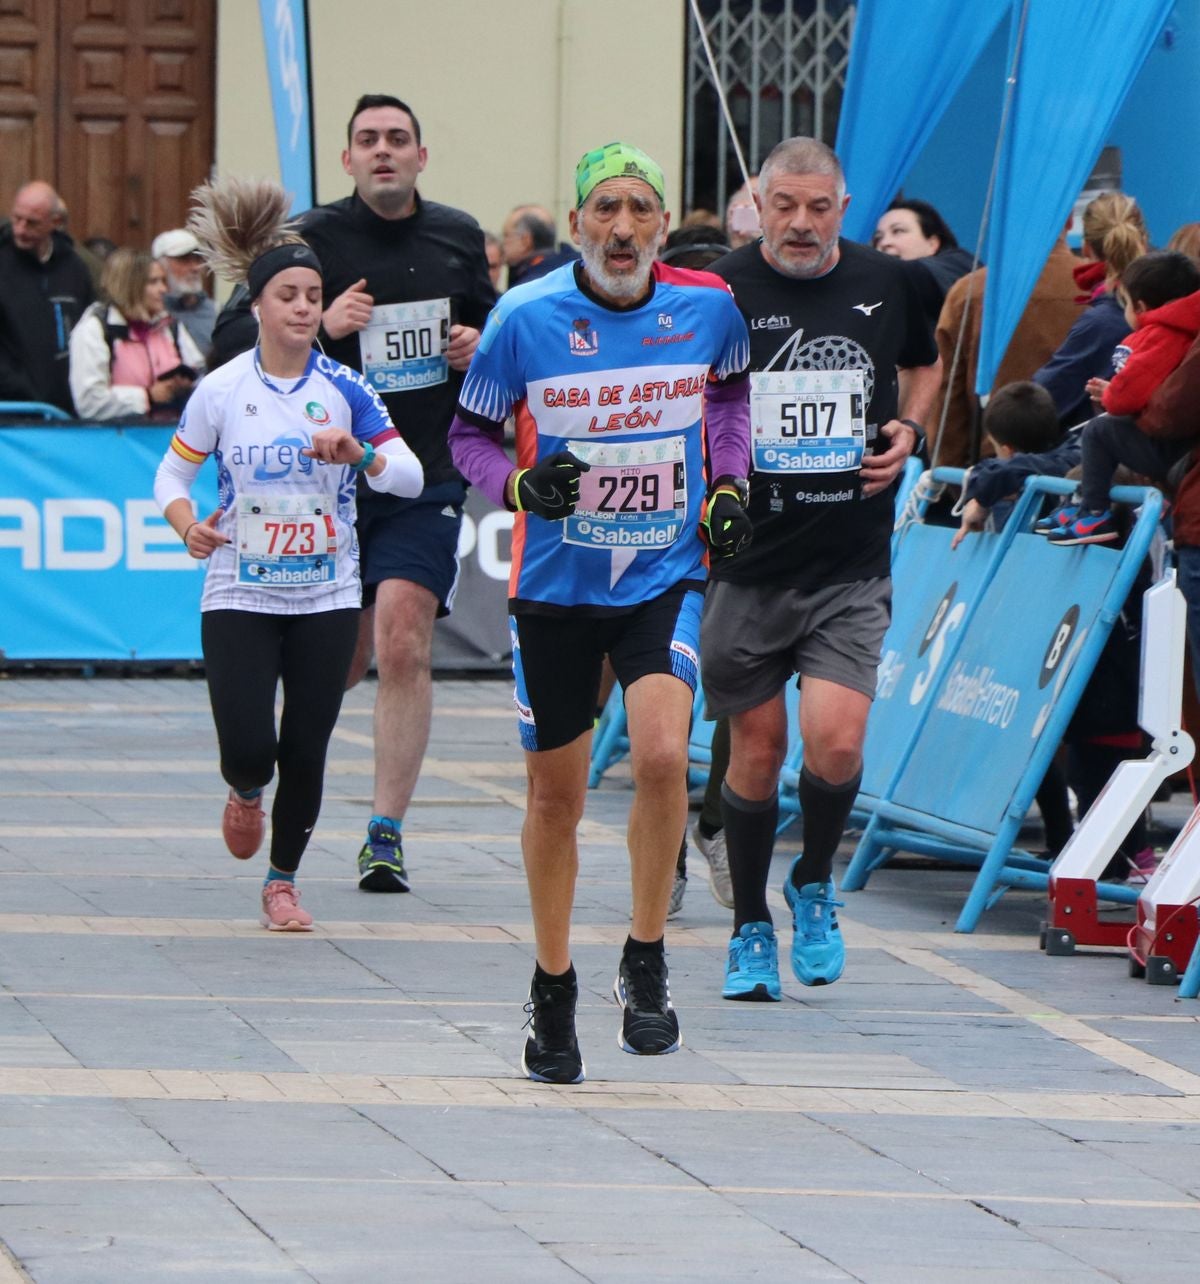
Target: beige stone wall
509	93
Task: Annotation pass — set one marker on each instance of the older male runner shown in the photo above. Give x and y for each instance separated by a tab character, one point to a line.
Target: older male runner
626	377
845	371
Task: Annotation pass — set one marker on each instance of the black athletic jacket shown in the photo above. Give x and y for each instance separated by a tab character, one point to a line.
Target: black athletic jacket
435	253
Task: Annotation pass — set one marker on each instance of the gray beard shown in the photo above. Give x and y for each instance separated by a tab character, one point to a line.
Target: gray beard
631	286
804	272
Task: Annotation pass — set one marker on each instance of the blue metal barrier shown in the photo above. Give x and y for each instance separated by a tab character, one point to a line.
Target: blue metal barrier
33	410
1005	689
1189	986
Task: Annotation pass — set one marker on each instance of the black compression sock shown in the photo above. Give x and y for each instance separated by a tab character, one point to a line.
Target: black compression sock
644	947
825	809
750	837
542	977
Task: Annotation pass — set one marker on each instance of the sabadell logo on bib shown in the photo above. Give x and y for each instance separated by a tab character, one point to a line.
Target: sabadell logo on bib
316	413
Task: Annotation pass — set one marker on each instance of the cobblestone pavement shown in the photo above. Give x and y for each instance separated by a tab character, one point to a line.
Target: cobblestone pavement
184	1095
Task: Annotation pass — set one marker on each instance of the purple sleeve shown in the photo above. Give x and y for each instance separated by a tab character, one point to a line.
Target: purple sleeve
727	424
480	457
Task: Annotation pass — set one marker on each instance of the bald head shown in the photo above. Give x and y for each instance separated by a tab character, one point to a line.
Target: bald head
528	229
35	214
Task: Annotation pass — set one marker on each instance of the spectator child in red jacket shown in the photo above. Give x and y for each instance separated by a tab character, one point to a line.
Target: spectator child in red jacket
1161	292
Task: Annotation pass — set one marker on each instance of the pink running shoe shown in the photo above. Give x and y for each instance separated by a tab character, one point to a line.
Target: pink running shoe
243	825
1142	866
281	910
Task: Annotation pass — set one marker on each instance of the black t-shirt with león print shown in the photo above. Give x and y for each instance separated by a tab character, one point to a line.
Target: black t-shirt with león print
814	528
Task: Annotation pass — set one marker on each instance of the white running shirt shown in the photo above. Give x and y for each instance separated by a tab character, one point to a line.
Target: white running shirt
289	519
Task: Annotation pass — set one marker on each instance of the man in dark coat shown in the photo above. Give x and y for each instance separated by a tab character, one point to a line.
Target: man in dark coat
44	288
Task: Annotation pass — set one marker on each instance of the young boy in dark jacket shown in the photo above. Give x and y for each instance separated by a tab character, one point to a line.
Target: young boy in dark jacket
1021	421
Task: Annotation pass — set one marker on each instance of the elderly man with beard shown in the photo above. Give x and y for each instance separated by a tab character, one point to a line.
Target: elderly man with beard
628	381
845	369
187	300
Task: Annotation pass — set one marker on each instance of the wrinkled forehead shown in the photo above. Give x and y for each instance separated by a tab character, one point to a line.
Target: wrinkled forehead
623	188
804	187
32	207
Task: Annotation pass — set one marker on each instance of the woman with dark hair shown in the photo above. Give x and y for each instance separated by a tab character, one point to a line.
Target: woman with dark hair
912	229
291	431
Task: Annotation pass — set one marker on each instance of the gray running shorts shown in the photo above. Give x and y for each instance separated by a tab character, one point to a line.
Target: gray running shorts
753	637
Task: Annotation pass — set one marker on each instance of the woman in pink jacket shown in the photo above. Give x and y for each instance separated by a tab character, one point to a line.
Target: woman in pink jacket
129	357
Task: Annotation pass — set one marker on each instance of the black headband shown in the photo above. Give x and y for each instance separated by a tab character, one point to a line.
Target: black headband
278	259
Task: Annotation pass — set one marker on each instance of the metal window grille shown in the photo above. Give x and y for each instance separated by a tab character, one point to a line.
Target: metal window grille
783	66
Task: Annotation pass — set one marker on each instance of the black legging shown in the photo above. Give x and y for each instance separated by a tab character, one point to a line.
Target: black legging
245	656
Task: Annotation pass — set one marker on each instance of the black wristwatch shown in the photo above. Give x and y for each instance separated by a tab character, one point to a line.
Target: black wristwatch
916	427
739	485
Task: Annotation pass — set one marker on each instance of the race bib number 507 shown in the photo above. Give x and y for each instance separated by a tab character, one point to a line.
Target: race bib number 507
808	421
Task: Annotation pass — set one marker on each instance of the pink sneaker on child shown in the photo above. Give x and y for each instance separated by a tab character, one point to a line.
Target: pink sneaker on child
281	910
1142	866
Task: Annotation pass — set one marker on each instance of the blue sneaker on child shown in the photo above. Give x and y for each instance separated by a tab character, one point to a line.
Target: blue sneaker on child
1056	520
818	952
1086	528
752	968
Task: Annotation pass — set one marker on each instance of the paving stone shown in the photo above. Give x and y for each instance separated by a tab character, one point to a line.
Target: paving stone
349	1107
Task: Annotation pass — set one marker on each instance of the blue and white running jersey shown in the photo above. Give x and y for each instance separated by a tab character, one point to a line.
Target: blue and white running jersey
289	518
622	390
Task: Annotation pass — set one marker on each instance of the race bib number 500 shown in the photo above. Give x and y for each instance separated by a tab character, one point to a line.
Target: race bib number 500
634	496
808	421
404	346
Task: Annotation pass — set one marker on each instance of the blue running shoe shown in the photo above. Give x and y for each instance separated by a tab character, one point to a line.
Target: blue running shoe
818	953
1086	528
381	861
752	969
1056	520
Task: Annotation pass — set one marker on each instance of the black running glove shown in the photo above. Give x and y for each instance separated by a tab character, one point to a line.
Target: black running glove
551	487
726	523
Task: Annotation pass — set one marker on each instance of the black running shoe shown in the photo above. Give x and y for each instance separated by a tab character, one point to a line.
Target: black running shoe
552	1051
649	1026
381	861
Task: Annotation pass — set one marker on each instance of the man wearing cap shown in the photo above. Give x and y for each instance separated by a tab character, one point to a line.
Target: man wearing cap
187	301
406	293
845	371
628	382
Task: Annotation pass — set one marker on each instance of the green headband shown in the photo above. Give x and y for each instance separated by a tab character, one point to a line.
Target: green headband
615	160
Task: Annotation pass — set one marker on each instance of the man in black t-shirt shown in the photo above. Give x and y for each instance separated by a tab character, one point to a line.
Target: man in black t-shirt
845	370
407	292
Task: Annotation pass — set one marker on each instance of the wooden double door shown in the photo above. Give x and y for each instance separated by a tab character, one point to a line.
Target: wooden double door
111	101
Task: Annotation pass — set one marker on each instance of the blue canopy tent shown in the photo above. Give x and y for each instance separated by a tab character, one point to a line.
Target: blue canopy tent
1069	68
887	119
1061	113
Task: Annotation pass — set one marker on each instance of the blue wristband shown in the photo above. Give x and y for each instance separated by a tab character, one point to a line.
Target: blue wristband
367	460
